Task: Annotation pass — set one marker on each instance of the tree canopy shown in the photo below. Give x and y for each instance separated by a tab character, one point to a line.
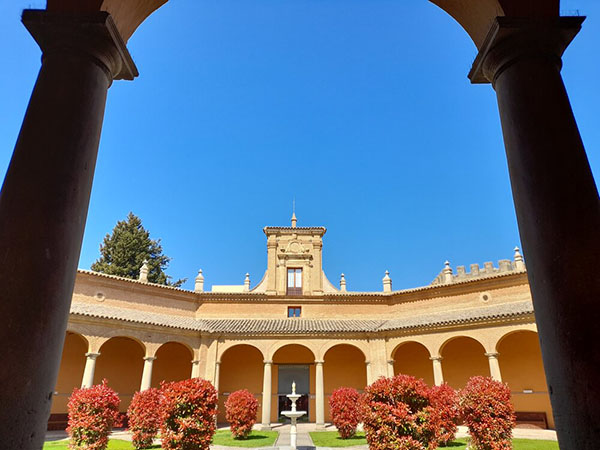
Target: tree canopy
124	251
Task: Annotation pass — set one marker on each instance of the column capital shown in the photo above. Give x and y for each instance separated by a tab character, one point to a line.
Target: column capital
436	358
92	355
367	362
149	358
491	354
319	362
391	361
195	362
513	38
217	363
268	361
92	34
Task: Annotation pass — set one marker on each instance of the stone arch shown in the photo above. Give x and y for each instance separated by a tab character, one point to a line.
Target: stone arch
173	363
278	345
359	345
121	362
223	348
413	358
344	366
286	354
463	358
70	374
520	360
241	367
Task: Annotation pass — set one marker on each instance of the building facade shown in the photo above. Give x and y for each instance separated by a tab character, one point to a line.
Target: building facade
295	325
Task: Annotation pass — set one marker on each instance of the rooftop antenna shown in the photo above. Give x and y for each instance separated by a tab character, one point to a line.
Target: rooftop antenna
294	220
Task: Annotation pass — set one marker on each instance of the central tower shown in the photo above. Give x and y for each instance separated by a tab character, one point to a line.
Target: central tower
294	260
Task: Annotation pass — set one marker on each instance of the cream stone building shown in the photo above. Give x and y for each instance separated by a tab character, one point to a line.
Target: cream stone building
295	325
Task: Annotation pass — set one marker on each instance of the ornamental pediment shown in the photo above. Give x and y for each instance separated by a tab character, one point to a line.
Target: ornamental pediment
294	248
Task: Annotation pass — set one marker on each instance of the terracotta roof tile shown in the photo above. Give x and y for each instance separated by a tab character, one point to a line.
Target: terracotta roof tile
300	325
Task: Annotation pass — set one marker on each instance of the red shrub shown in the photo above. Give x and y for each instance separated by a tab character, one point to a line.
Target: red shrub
240	412
488	412
397	414
444	399
189	408
144	417
92	412
344	405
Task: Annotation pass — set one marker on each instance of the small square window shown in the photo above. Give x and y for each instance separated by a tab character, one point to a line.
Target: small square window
294	311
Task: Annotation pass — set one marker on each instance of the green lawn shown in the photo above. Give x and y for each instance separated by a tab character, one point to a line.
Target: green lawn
255	439
332	439
320	439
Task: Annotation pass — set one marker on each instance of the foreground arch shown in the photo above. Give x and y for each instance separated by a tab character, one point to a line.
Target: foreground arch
520	45
42	215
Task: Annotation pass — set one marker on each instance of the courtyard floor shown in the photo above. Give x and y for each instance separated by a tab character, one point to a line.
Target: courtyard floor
305	442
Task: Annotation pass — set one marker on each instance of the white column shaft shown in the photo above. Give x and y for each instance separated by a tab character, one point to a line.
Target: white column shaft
147	373
494	366
90	367
319	394
266	395
217	374
438	375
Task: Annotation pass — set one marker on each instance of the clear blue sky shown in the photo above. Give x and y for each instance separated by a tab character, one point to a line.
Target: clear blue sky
360	109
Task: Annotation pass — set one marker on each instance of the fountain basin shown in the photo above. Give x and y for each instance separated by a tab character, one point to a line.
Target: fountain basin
293	414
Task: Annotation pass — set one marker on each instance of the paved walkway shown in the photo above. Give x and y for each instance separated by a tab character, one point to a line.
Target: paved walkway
304	442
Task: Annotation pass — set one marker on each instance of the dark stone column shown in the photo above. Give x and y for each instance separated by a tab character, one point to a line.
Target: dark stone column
43	208
558	211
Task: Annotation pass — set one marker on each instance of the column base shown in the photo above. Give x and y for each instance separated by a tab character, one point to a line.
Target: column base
266	427
320	427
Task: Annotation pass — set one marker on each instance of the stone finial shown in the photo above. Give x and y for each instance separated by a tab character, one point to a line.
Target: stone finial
199	282
447	272
343	283
294	220
247	283
519	263
387	282
144	272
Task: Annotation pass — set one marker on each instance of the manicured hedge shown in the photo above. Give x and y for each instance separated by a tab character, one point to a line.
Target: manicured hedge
92	413
240	412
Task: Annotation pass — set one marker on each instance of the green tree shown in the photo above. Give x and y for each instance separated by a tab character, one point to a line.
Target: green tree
124	251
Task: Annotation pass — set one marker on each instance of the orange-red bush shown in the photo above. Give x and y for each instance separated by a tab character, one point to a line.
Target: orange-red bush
144	417
488	412
444	399
344	406
240	412
397	414
189	408
92	412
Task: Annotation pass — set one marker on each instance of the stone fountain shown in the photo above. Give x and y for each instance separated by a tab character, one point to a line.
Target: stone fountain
293	415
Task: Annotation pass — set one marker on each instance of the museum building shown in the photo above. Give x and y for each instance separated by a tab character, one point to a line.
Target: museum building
295	325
